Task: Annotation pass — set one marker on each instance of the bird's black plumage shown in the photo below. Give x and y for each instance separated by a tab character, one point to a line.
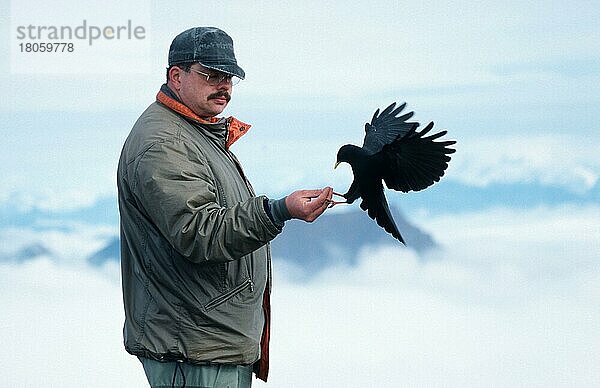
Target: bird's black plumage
396	153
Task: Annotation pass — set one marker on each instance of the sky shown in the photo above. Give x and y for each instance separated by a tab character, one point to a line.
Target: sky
506	79
510	300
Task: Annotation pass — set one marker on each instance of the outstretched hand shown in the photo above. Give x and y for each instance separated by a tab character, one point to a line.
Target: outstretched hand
307	205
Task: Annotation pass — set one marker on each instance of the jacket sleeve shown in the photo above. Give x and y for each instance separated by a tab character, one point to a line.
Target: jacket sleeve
177	191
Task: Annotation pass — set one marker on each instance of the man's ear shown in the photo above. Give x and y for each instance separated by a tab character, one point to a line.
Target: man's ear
174	77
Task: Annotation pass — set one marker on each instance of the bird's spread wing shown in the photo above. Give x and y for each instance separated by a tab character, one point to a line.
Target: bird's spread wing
386	127
415	161
377	207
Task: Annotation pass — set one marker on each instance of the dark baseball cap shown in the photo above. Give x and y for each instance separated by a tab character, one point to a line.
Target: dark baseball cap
209	46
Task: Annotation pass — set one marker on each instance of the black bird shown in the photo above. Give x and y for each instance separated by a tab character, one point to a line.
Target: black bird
395	153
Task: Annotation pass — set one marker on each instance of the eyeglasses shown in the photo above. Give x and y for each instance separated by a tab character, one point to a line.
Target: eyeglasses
214	79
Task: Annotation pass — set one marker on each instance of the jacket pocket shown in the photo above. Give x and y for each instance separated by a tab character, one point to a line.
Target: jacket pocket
229	294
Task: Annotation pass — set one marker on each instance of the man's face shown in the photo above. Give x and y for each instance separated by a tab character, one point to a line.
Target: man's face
196	93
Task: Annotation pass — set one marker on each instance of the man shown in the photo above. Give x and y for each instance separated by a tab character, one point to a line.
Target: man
194	237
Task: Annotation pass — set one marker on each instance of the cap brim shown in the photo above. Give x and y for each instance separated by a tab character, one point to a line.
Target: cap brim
229	69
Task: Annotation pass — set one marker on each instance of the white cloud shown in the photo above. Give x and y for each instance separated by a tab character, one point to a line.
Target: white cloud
53	196
510	301
550	159
62	327
67	243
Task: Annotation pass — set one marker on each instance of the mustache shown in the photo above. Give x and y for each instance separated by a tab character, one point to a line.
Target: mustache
219	94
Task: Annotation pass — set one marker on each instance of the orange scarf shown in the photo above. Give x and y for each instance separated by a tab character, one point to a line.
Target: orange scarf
235	129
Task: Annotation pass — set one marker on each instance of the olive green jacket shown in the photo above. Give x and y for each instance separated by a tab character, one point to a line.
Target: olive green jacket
194	243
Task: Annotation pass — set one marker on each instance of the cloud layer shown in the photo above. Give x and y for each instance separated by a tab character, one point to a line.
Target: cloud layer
511	300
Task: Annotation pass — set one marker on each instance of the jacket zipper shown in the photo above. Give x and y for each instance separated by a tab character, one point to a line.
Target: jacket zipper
229	294
229	156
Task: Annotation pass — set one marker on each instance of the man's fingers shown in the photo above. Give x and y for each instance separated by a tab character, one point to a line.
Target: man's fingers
320	199
307	205
309	193
318	205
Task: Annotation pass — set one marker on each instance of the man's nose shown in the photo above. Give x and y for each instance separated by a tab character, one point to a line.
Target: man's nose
224	85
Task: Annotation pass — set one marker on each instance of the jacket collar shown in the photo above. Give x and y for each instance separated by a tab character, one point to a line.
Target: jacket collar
235	127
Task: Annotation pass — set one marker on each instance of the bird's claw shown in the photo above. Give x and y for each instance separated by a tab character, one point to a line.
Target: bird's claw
332	203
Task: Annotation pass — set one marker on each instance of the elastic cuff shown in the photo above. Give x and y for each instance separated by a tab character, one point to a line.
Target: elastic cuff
279	211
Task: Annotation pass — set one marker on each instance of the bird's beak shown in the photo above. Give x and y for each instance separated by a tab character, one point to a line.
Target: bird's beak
336	164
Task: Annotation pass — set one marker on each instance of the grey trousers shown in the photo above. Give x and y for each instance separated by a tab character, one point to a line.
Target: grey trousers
173	374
